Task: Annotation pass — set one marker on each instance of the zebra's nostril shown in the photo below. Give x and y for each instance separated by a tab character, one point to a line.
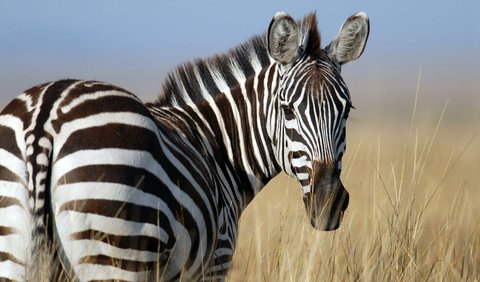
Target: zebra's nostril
345	201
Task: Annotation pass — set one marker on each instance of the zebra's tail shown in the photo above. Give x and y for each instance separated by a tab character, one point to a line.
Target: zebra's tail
39	144
38	171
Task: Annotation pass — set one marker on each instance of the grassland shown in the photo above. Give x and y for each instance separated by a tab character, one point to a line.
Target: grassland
414	211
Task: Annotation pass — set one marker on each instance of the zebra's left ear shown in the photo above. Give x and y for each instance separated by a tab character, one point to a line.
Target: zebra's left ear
283	39
350	41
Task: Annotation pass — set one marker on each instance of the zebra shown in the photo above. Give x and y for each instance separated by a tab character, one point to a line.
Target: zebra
144	192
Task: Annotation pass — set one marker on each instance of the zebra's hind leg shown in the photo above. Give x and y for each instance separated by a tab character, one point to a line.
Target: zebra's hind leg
16	221
87	254
97	241
15	230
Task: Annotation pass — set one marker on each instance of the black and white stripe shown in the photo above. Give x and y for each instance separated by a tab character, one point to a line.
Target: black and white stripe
134	192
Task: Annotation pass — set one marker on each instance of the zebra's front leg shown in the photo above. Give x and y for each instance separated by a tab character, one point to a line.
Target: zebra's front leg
222	256
221	263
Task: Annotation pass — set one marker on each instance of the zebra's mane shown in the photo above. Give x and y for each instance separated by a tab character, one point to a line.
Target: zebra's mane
193	80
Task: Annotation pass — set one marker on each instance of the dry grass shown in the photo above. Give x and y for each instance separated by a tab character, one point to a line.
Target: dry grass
413	215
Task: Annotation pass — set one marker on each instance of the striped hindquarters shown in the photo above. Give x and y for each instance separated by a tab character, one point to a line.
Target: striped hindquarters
86	160
105	219
89	142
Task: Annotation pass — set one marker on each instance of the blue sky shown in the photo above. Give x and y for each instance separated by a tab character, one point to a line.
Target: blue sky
134	44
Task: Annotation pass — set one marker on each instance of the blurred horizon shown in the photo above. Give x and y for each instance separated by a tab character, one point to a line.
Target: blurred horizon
135	46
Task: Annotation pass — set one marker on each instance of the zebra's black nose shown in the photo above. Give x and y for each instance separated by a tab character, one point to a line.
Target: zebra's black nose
328	201
346	201
335	212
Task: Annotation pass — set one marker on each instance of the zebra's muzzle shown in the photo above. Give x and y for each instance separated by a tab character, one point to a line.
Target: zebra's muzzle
327	203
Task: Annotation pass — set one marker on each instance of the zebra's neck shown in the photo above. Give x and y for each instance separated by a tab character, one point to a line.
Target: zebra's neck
222	104
242	124
232	128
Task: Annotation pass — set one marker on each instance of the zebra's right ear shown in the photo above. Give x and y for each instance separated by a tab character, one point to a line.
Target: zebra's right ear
350	41
283	42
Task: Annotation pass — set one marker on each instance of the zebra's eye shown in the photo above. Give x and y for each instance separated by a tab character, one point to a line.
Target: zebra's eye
347	110
288	112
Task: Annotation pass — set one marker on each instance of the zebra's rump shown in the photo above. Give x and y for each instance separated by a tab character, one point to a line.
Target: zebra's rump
80	156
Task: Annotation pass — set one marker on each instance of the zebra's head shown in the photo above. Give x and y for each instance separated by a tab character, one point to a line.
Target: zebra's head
310	108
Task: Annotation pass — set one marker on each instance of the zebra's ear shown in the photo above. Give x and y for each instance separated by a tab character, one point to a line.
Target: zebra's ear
350	41
283	39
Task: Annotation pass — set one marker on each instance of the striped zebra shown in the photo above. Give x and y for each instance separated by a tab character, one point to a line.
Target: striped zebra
145	192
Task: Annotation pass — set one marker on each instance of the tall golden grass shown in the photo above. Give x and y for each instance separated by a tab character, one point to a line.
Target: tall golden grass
414	211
